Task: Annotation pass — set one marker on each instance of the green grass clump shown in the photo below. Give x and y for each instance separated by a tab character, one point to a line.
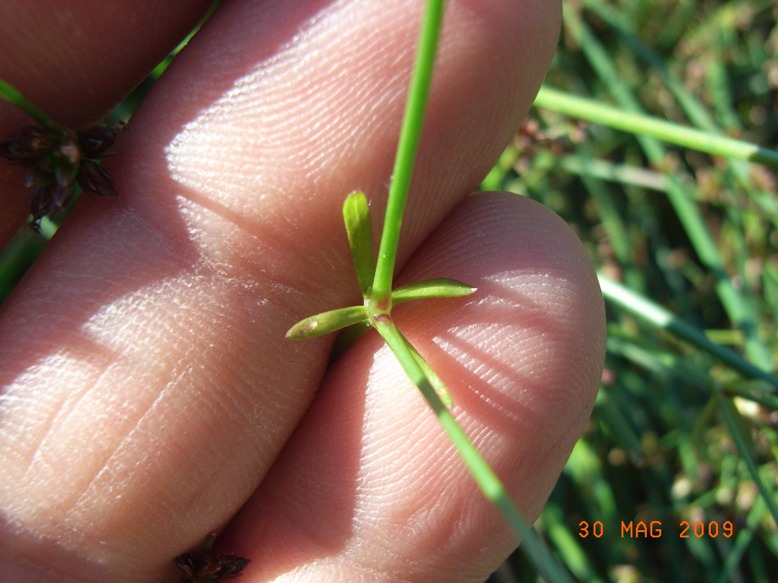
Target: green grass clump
672	187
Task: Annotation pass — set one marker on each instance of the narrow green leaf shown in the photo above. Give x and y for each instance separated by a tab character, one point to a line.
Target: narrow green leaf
658	316
637	123
356	216
326	322
13	95
440	287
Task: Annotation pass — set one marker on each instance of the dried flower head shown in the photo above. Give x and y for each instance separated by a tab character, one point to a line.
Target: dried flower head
205	566
57	160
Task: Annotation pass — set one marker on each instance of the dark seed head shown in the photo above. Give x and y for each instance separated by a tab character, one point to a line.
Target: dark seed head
94	178
29	147
208	567
230	566
57	160
97	141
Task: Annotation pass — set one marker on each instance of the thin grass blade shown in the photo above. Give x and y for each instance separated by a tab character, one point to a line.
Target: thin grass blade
327	322
440	287
489	483
13	95
359	229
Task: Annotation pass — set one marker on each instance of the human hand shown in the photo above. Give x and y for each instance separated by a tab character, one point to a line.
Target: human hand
149	394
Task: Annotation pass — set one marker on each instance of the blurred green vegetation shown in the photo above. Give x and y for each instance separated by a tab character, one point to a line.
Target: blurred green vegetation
679	434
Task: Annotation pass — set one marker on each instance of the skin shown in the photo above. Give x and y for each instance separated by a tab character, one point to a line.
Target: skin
149	395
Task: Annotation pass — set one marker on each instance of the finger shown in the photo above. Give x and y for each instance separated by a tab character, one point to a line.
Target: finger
76	61
370	487
163	312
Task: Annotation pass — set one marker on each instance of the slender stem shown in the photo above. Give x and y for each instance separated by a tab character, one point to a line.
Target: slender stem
410	136
489	483
659	316
13	95
656	128
401	349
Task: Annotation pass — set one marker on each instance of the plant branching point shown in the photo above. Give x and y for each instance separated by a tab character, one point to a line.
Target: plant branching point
59	160
375	283
375	310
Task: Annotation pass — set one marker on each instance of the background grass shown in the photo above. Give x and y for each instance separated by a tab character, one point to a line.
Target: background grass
677	434
686	424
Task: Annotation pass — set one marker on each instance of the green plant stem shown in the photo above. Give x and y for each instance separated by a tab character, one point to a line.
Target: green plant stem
410	136
490	484
16	258
662	318
660	129
13	95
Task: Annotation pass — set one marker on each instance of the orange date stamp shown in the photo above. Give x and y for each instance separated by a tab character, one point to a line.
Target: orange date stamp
657	529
